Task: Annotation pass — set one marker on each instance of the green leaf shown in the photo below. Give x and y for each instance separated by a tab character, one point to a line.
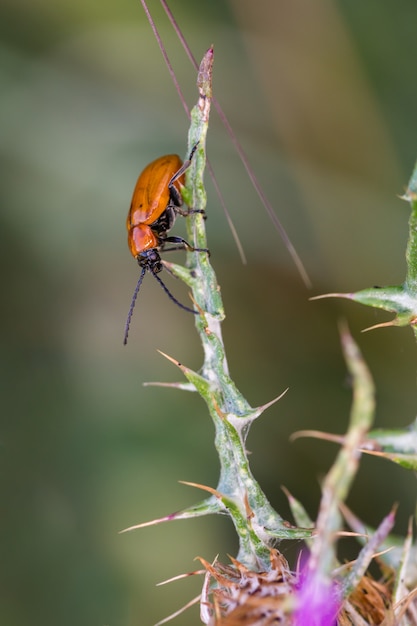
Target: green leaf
402	299
398	446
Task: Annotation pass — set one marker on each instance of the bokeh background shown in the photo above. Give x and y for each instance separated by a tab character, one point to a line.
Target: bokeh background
323	98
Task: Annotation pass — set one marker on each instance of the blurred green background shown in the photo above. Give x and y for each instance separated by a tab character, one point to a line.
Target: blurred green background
322	96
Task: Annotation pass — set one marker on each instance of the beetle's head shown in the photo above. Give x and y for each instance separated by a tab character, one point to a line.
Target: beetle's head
150	260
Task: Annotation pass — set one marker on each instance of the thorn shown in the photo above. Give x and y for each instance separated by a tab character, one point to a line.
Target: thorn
213	492
382	325
331	295
317	434
182	386
182	367
263	407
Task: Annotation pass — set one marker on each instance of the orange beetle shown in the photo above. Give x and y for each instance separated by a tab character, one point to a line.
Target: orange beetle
156	202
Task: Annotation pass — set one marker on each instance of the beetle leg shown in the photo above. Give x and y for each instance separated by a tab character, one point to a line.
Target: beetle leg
165	222
175	195
187	212
184	166
176	203
182	245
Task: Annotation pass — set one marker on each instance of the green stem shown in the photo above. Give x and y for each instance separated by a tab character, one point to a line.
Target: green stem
238	493
411	252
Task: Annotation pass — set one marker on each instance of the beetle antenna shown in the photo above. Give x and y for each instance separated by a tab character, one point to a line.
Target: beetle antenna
132	304
169	294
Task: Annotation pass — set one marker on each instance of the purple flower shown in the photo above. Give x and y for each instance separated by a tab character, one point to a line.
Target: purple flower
318	601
